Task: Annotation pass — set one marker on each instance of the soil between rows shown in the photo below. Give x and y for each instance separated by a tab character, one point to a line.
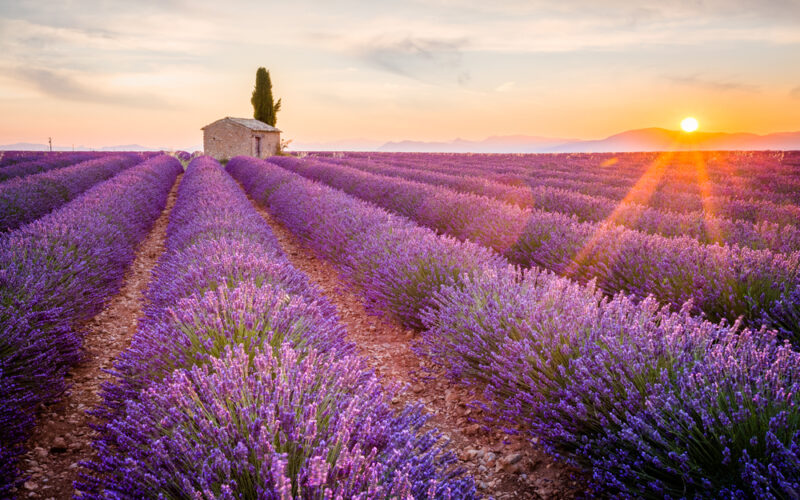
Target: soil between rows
505	467
63	434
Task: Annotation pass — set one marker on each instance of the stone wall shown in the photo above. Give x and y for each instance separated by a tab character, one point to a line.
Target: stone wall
270	143
224	139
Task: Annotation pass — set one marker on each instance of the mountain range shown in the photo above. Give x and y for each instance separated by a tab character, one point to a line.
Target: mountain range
645	139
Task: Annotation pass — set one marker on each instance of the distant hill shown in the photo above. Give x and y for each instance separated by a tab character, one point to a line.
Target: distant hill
646	139
659	139
494	144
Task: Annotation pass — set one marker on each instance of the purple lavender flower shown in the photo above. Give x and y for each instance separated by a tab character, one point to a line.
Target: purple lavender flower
28	198
57	272
540	193
651	402
272	424
34	162
723	282
240	382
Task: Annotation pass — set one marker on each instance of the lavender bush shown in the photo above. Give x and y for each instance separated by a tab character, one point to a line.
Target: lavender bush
653	403
273	424
57	272
222	279
198	328
240	383
369	244
656	404
8	158
757	181
705	227
722	282
28	198
186	157
36	162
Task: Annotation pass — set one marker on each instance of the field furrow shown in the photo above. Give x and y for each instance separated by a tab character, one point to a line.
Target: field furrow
775	231
721	282
57	273
672	180
620	388
64	431
503	466
26	199
35	163
239	378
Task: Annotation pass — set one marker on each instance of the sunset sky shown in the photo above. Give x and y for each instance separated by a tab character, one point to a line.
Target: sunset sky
99	73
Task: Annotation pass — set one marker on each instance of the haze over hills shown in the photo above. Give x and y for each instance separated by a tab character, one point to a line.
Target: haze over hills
494	144
645	139
659	139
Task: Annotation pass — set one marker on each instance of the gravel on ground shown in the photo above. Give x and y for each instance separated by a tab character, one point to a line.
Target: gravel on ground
63	433
504	466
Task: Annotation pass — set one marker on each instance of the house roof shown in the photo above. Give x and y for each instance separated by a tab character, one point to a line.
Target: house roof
250	123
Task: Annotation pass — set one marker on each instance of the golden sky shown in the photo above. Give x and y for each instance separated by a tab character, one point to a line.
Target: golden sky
99	73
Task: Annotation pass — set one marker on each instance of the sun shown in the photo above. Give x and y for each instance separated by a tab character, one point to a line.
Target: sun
689	124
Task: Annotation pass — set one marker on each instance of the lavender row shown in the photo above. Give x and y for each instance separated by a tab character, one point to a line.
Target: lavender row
56	273
704	227
13	157
240	382
753	210
186	157
643	192
653	404
685	176
45	162
652	186
28	198
722	282
720	166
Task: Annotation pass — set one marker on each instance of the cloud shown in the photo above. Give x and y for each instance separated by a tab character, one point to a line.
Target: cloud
117	46
63	86
759	9
420	58
715	85
795	92
506	87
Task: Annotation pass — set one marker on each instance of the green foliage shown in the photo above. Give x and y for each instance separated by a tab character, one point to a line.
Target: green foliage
282	148
265	108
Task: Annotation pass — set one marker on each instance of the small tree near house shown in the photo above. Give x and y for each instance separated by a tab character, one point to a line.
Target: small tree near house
264	107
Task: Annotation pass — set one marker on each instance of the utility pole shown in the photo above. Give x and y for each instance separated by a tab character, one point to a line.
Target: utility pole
50	141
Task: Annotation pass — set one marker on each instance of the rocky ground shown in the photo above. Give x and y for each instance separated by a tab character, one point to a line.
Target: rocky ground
505	467
63	434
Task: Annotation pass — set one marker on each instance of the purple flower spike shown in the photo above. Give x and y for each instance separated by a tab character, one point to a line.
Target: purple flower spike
240	382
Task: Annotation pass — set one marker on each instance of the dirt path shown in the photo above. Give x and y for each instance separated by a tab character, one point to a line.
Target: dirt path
504	467
62	436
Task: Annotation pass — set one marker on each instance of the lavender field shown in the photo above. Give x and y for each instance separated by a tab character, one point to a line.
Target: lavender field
550	326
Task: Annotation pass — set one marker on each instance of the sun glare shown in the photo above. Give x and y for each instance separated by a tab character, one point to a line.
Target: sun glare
689	124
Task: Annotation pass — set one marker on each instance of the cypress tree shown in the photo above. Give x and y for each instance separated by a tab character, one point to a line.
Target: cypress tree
264	108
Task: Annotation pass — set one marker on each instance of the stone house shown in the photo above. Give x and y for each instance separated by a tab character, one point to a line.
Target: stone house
231	137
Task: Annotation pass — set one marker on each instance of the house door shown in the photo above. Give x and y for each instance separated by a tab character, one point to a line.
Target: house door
258	146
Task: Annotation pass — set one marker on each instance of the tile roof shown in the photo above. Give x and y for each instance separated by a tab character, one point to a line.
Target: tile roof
250	123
